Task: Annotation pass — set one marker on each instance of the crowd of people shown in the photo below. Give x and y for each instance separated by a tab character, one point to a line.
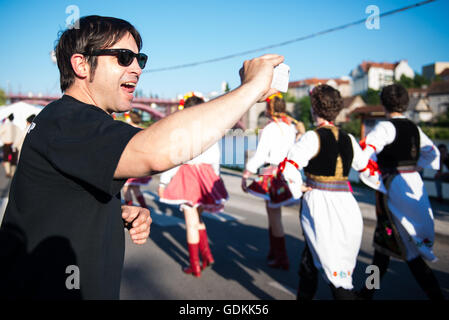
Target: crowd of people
65	207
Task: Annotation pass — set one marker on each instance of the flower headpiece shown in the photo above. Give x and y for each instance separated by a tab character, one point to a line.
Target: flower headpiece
127	117
277	94
187	96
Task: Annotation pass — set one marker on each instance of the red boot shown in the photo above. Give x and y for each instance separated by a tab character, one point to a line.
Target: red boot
206	254
280	252
194	267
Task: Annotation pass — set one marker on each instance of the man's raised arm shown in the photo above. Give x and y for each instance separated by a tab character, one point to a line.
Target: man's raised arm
183	135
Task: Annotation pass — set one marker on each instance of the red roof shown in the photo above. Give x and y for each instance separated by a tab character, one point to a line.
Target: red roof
315	82
445	72
366	65
347	101
439	87
341	81
371	110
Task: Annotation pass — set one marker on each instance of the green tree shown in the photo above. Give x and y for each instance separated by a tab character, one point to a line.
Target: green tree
2	97
352	126
302	111
437	78
417	82
406	82
227	88
288	97
371	97
420	81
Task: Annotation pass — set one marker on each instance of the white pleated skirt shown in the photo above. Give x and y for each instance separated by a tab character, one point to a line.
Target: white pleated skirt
332	224
410	206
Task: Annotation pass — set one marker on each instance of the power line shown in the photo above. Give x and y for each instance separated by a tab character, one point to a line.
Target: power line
313	35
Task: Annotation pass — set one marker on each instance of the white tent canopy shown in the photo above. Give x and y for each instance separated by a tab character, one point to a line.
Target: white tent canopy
21	111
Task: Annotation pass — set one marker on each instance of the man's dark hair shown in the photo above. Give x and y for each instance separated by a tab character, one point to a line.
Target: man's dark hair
193	101
326	102
11	117
94	33
394	98
31	118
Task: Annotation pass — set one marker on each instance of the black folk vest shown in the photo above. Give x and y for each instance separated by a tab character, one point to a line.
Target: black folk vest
334	158
404	150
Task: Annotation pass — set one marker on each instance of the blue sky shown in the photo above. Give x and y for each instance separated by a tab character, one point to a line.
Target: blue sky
179	32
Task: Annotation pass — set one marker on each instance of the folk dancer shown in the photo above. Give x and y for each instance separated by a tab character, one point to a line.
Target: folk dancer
277	137
330	216
196	186
405	225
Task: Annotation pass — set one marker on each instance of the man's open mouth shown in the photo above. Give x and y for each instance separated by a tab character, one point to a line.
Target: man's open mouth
129	86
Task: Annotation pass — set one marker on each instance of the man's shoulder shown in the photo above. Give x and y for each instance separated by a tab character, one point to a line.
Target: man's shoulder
66	102
68	107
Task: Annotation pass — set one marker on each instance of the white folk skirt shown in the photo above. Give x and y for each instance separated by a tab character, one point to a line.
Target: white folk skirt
332	224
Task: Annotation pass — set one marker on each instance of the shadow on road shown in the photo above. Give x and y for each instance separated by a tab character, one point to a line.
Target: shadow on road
237	248
240	251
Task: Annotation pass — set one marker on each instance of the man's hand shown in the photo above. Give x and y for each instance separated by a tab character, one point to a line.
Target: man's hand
138	221
259	72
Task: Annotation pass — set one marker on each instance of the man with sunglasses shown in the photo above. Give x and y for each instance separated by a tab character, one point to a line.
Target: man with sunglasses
62	234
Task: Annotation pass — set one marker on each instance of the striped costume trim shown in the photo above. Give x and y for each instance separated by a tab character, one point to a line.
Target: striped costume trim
399	169
329	186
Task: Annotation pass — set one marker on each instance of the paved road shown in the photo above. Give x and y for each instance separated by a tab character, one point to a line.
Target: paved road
239	242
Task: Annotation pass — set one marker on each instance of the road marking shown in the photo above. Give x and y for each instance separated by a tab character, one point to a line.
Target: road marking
282	288
223	217
163	220
175	242
236	252
363	259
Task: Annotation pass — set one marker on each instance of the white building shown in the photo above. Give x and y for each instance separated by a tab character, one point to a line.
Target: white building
418	108
377	75
438	97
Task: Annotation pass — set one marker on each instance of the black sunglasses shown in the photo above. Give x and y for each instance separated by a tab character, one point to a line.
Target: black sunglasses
124	56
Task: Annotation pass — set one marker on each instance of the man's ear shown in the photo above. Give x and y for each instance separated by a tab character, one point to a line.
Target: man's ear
80	65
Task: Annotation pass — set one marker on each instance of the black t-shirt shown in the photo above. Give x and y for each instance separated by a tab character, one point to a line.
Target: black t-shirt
63	217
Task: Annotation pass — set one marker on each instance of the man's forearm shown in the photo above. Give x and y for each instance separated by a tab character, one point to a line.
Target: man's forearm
184	135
